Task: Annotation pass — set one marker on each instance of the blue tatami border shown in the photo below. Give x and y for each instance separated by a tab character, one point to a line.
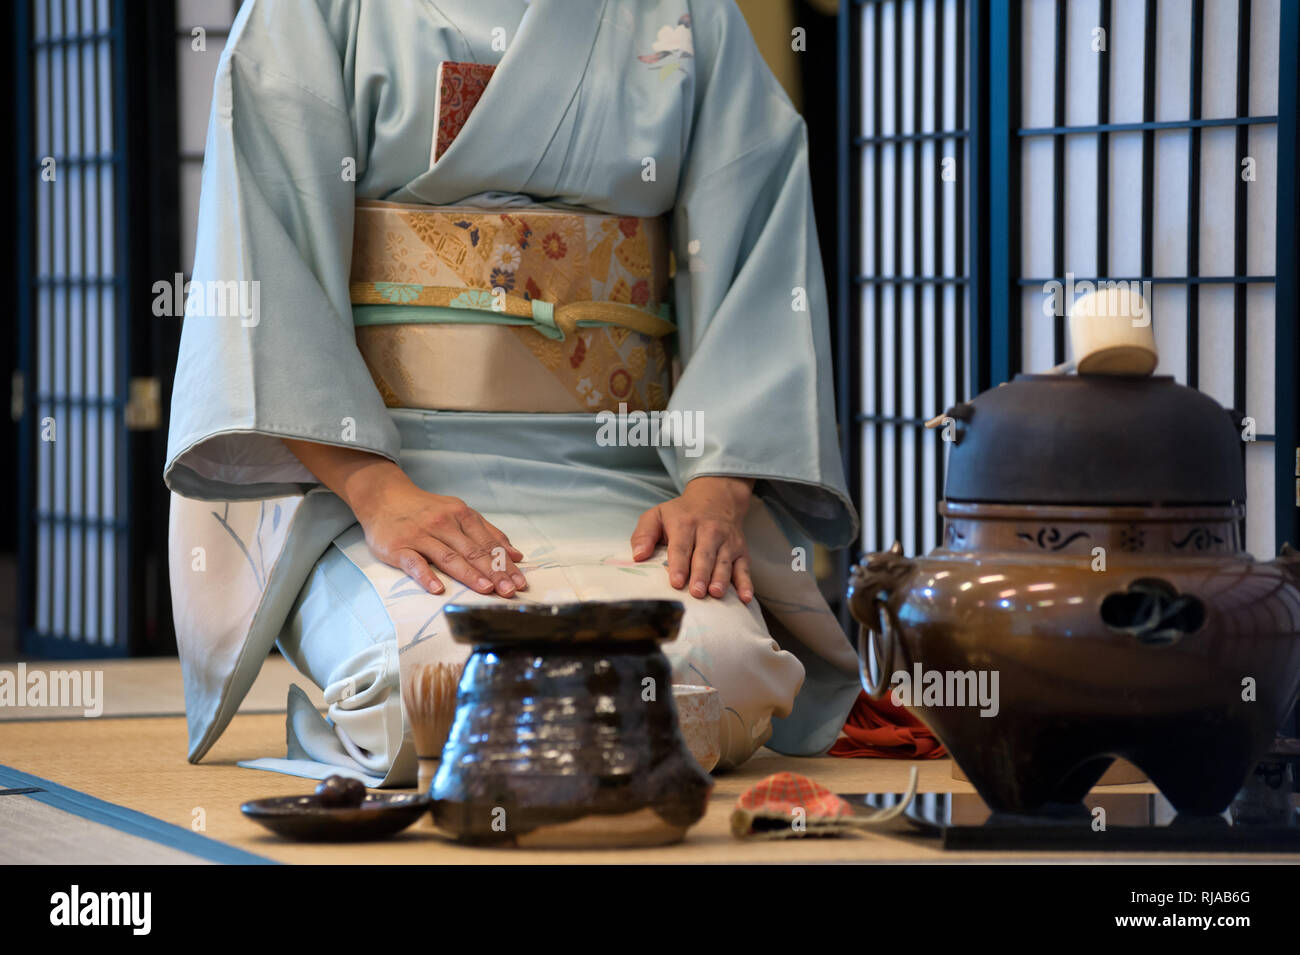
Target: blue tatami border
126	820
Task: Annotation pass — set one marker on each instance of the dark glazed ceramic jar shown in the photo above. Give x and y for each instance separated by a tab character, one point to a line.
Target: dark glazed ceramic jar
566	731
1093	574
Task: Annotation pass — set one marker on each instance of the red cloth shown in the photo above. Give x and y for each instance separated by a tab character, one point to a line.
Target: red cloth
788	805
778	794
460	86
879	728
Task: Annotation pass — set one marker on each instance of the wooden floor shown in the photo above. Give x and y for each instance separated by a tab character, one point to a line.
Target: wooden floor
140	763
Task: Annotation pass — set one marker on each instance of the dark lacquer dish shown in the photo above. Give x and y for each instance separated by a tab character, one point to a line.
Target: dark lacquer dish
328	817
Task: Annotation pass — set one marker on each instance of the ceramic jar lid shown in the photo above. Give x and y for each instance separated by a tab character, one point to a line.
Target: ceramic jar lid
1094	440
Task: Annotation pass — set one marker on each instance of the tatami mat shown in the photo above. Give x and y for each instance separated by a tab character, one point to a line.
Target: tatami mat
39	834
153	687
140	764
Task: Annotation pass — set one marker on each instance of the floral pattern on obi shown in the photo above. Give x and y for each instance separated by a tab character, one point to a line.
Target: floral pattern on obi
556	256
526	264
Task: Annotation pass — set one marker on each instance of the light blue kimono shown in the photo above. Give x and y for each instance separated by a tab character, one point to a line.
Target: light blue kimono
614	106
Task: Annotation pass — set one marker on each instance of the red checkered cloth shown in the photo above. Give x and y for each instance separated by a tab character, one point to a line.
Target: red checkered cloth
787	805
879	728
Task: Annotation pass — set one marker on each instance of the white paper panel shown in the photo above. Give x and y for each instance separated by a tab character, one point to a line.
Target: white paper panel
1216	343
1036	332
1036	206
1169	322
1260	351
1080	206
1082	64
1265	16
889	69
1173	59
1261	202
1219	60
1219	172
1169	211
1261	532
105	88
1126	43
1037	52
1125	204
906	67
872	342
952	117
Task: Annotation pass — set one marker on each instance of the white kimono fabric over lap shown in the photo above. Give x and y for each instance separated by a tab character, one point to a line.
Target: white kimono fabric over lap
261	554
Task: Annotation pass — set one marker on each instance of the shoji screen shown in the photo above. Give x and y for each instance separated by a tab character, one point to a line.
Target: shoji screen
910	284
995	146
95	136
72	347
1147	134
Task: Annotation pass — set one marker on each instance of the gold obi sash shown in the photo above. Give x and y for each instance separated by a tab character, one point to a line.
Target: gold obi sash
522	309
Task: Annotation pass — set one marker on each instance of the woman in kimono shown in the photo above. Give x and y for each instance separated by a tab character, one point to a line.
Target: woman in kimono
452	362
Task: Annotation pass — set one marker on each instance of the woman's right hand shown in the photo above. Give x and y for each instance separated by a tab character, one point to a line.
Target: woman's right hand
413	530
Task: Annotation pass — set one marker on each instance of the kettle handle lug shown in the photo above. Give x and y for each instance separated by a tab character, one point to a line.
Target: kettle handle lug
879	643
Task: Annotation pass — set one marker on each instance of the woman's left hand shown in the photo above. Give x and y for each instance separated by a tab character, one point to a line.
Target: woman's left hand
705	543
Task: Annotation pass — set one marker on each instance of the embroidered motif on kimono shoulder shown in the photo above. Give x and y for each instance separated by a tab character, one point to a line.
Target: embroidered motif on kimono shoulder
671	48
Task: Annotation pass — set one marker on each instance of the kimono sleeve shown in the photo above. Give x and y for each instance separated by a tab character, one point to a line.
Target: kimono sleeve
267	347
750	294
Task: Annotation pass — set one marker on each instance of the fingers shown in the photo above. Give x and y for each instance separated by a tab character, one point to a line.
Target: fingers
709	553
477	558
645	537
414	565
681	543
708	547
453	537
730	565
451	562
721	577
740	577
504	553
474	543
513	552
